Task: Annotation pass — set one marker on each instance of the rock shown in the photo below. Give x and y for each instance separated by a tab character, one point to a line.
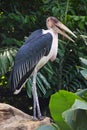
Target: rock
13	119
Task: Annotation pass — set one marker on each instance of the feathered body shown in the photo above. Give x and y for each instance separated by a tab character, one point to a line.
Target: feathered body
38	49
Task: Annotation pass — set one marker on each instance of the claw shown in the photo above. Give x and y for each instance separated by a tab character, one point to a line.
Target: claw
41	118
35	119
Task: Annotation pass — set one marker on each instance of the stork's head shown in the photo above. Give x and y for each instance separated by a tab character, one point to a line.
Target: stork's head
58	27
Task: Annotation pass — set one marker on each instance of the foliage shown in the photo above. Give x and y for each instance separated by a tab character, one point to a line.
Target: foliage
6	59
19	19
60	102
11	31
76	116
71	68
69	110
84	70
42	85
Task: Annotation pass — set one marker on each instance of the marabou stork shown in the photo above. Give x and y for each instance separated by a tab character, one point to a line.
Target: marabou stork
38	49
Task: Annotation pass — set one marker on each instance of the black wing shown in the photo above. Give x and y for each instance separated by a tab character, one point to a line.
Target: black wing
27	58
34	36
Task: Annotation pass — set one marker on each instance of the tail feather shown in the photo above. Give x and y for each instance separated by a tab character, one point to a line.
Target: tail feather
19	85
11	85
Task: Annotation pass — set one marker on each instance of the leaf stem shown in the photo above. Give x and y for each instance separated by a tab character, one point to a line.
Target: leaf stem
67	6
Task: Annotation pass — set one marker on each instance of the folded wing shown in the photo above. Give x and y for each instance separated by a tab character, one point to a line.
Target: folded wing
28	57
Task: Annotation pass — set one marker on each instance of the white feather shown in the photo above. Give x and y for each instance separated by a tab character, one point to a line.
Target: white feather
53	52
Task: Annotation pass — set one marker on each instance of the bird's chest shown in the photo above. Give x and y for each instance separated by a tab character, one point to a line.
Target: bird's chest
53	52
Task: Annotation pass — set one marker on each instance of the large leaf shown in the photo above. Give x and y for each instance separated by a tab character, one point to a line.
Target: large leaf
76	116
60	102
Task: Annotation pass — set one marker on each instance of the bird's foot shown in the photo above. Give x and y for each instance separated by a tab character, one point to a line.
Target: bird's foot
41	118
35	119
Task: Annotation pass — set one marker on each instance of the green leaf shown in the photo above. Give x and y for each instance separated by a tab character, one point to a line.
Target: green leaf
7	59
83	60
1	67
76	116
29	87
60	102
46	127
11	61
13	52
81	25
44	80
84	73
5	63
81	92
40	86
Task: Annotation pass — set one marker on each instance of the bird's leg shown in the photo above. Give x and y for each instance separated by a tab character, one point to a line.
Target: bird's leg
38	107
40	117
35	98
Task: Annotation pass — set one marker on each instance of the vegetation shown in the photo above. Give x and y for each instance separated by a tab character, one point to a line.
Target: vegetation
69	71
70	113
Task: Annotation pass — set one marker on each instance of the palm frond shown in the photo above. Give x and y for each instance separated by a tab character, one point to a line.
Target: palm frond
6	59
71	76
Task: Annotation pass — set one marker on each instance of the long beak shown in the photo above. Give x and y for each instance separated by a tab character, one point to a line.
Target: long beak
61	28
